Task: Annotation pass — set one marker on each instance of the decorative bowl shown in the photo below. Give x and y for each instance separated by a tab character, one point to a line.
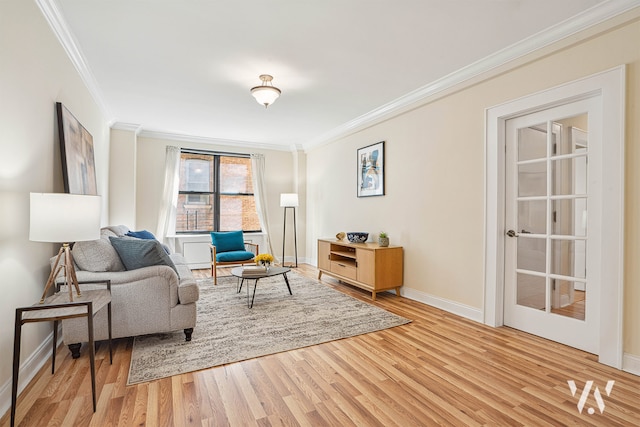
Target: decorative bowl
357	237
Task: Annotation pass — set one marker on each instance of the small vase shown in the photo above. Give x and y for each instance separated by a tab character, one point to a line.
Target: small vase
383	242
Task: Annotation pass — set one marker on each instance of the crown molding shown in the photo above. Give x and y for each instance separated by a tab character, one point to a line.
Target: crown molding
589	18
157	134
130	127
210	141
58	24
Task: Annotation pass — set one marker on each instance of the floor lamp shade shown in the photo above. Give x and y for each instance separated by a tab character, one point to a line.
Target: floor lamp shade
64	218
288	200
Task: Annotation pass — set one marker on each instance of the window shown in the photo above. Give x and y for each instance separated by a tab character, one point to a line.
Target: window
215	193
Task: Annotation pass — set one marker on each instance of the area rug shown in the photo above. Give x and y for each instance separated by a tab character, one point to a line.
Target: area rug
228	331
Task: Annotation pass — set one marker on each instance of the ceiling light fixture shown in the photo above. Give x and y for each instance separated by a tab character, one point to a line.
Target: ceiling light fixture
266	94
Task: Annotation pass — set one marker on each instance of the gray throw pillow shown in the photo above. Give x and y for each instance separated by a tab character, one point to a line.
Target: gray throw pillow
139	253
96	255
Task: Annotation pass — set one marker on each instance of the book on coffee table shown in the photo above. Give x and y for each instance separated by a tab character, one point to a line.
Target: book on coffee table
251	271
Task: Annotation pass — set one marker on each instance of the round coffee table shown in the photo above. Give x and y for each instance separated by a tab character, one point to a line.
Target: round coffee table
257	275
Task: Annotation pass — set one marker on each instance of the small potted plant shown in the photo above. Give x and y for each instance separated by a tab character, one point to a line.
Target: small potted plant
264	260
383	239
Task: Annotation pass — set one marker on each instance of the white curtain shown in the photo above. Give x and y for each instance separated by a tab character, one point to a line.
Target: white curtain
167	215
259	194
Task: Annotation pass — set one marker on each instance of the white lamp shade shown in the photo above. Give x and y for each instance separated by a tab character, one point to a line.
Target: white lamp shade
64	218
288	200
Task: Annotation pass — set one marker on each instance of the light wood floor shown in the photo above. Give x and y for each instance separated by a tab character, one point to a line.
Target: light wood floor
438	370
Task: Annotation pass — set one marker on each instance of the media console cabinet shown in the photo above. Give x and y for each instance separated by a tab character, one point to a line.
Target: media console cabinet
365	265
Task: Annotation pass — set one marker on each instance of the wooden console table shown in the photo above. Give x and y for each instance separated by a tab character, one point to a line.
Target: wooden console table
365	265
54	309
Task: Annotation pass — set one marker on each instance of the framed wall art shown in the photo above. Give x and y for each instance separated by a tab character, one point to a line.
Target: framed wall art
371	170
76	148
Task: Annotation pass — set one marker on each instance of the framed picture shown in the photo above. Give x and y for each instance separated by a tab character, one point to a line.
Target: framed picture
371	170
76	148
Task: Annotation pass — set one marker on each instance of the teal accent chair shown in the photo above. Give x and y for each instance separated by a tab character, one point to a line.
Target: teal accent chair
229	248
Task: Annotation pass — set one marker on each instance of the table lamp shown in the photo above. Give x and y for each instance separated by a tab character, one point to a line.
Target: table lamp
64	218
289	201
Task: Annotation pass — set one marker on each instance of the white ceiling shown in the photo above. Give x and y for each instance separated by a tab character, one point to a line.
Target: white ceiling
186	67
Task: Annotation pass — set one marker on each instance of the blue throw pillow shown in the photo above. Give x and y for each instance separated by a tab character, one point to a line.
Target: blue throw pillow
142	234
227	241
139	253
147	235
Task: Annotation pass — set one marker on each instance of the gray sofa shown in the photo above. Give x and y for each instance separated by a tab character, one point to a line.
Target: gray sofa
152	299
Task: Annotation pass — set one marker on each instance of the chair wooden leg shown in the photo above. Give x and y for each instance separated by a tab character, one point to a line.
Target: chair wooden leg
215	275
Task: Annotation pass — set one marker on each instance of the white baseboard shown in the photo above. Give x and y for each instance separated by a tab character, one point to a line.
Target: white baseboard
28	370
289	260
462	310
200	266
631	363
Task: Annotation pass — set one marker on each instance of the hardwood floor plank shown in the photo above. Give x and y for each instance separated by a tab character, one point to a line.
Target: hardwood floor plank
382	414
58	412
136	406
114	411
102	408
165	402
280	368
272	402
440	369
332	415
153	405
243	383
192	404
235	406
177	398
73	412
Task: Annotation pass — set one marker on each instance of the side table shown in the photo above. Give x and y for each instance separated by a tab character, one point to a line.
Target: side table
54	309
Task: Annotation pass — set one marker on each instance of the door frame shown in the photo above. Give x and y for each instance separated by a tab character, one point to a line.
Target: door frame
609	87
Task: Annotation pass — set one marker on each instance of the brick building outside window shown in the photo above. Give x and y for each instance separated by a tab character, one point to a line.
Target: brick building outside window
215	193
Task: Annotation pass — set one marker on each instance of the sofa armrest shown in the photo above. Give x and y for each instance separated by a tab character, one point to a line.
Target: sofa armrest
188	291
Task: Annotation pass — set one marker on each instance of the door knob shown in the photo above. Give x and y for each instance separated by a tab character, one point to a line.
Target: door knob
512	233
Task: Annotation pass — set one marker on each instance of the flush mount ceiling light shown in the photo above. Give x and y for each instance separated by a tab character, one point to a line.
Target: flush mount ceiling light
266	94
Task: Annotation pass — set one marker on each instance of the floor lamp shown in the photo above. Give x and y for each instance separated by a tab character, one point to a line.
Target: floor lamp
64	218
289	201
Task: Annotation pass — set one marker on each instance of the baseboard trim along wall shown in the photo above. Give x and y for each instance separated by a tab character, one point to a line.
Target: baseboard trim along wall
28	370
631	363
462	310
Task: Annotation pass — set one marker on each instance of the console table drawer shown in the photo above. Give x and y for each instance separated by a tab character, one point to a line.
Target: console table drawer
344	269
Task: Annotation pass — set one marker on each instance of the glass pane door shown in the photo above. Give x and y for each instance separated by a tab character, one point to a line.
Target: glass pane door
551	217
546	240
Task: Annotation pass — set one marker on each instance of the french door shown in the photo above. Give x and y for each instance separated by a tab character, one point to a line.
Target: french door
552	211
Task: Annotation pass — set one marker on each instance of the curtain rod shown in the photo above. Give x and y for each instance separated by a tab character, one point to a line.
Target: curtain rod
215	153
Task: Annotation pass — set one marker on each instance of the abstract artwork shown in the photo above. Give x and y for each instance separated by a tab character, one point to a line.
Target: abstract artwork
76	148
371	170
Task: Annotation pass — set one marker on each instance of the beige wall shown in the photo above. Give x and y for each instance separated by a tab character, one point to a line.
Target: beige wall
122	172
35	73
434	202
150	181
